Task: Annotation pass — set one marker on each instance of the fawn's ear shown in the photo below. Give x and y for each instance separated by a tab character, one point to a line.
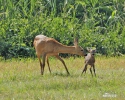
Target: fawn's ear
88	49
75	42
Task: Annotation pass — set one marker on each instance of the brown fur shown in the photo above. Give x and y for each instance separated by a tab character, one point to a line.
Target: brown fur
90	60
46	47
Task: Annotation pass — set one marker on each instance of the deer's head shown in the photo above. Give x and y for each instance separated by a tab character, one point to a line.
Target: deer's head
79	50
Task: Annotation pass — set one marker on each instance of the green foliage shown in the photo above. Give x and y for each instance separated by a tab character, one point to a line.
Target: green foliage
97	23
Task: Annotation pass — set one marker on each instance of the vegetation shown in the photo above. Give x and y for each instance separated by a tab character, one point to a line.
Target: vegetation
98	23
21	79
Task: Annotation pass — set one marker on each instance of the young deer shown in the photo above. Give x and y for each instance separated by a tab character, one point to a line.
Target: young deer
90	60
46	46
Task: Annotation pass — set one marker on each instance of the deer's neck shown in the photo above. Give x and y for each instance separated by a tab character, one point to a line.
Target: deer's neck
65	49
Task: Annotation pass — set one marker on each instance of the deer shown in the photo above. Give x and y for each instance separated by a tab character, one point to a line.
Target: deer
47	46
90	60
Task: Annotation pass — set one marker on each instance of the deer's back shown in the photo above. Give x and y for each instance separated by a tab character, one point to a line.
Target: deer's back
45	44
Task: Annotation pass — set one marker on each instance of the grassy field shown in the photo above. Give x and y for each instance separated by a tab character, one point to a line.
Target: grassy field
21	80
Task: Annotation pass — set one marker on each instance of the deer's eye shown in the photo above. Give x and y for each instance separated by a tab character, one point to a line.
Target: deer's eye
81	50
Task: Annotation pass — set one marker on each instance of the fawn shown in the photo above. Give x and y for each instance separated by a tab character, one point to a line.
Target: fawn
90	60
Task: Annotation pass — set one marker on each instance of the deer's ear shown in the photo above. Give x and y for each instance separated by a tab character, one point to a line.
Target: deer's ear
88	49
75	42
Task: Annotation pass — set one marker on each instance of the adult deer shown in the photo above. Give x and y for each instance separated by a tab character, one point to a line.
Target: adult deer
46	46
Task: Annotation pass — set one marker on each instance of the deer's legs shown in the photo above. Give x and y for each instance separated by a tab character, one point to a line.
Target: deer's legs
40	64
85	68
94	69
91	70
43	64
58	57
48	63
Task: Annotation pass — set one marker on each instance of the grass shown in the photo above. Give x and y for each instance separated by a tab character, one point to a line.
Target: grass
21	80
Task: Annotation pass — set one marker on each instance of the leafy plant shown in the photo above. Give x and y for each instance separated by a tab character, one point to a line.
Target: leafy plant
97	23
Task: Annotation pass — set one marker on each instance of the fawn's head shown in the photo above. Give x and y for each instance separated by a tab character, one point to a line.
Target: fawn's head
91	51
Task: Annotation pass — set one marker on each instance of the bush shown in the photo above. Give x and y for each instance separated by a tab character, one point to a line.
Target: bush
96	23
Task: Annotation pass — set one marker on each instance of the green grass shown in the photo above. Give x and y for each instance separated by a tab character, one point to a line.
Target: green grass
21	80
